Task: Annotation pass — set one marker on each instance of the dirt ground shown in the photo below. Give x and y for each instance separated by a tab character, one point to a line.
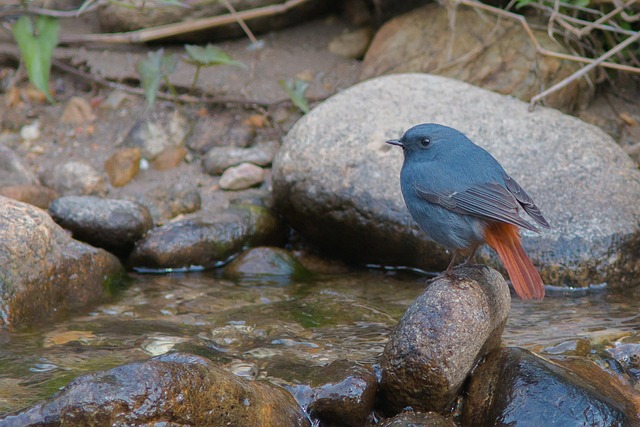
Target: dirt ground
300	52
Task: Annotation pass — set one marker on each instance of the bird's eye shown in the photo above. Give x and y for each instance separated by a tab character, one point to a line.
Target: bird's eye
425	142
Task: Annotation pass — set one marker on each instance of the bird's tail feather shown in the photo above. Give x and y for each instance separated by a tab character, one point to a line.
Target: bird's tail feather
505	240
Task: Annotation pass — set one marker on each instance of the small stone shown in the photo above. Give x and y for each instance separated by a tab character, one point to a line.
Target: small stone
169	158
78	111
114	225
158	132
265	264
36	195
30	132
123	166
353	44
75	178
219	159
241	177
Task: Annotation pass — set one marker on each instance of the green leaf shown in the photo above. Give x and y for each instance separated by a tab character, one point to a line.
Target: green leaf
36	46
152	69
209	55
296	89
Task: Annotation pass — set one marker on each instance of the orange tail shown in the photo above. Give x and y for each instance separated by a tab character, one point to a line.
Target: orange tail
505	240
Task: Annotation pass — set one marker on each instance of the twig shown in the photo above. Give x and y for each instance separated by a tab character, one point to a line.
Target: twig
164	31
187	99
584	70
19	10
241	22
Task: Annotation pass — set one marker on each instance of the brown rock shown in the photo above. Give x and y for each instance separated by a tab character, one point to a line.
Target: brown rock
265	263
36	195
172	389
169	158
351	45
78	111
452	324
44	271
123	166
499	54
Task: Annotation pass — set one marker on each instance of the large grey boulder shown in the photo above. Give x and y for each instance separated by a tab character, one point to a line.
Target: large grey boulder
337	182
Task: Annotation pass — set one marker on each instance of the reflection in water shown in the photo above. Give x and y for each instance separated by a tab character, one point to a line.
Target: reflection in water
275	330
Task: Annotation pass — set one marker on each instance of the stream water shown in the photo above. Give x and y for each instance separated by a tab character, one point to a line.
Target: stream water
278	330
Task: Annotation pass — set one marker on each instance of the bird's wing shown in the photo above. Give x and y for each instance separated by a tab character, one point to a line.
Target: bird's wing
490	201
525	201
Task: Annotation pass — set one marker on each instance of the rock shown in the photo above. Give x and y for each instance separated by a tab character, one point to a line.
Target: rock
169	158
351	45
44	271
441	337
337	182
207	240
118	17
241	177
505	58
417	419
78	111
30	132
13	171
123	166
158	132
340	394
75	179
114	225
266	264
218	159
36	195
172	389
165	203
514	386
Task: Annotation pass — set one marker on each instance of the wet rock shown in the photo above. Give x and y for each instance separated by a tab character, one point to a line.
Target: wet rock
169	158
123	166
507	62
165	203
417	419
514	386
241	177
207	240
345	196
351	45
157	132
75	179
44	271
118	17
265	264
114	225
13	171
36	195
441	337
340	394
172	389
218	159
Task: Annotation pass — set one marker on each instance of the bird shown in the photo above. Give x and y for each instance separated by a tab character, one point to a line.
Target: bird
461	197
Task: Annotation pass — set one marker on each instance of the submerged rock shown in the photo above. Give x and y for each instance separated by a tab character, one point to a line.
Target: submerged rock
504	58
207	240
266	263
417	419
340	394
45	271
441	337
172	389
514	386
337	182
114	225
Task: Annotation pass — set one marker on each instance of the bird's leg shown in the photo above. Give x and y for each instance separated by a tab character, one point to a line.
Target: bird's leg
449	270
474	248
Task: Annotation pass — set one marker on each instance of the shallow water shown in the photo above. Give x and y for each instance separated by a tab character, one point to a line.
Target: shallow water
278	330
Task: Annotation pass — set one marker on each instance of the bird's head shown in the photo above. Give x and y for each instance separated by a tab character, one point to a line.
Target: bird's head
428	140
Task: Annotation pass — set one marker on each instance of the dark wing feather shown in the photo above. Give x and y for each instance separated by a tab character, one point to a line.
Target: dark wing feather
525	201
489	201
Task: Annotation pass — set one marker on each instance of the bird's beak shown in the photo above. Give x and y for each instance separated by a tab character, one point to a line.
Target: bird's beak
395	142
